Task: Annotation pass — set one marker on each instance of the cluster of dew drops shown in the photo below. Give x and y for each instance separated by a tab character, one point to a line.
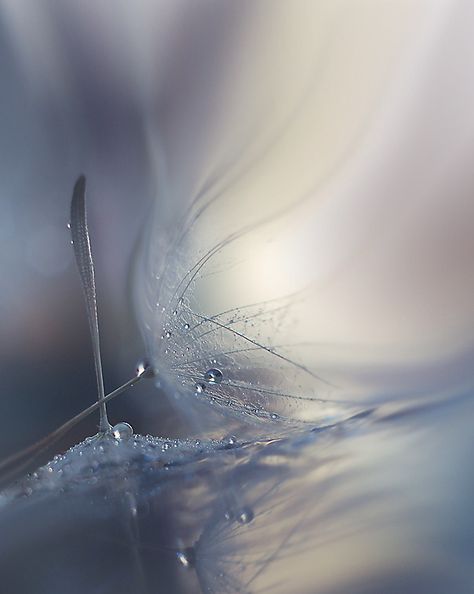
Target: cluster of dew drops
212	376
187	557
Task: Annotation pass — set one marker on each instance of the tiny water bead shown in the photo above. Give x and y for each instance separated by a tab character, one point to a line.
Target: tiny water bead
245	516
122	431
168	334
187	557
213	376
199	388
145	369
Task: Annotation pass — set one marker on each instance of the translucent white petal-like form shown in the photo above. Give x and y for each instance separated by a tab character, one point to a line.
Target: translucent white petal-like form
313	212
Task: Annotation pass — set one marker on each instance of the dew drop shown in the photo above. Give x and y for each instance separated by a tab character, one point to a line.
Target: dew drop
168	334
69	225
187	557
122	431
245	516
232	440
145	369
186	326
213	376
199	388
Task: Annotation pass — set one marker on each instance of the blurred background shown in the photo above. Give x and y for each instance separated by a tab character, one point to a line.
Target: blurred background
352	119
69	104
359	111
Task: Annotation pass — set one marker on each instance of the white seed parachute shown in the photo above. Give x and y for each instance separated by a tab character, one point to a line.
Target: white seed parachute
288	288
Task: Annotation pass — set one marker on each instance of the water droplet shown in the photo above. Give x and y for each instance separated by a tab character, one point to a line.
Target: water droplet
245	515
69	225
145	369
168	334
175	312
199	388
122	431
187	557
274	416
232	440
213	376
186	326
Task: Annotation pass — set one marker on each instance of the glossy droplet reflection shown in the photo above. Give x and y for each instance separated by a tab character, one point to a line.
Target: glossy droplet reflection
199	388
213	376
145	369
187	557
245	516
122	431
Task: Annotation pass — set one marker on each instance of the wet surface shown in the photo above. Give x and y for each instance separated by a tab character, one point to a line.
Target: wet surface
376	503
